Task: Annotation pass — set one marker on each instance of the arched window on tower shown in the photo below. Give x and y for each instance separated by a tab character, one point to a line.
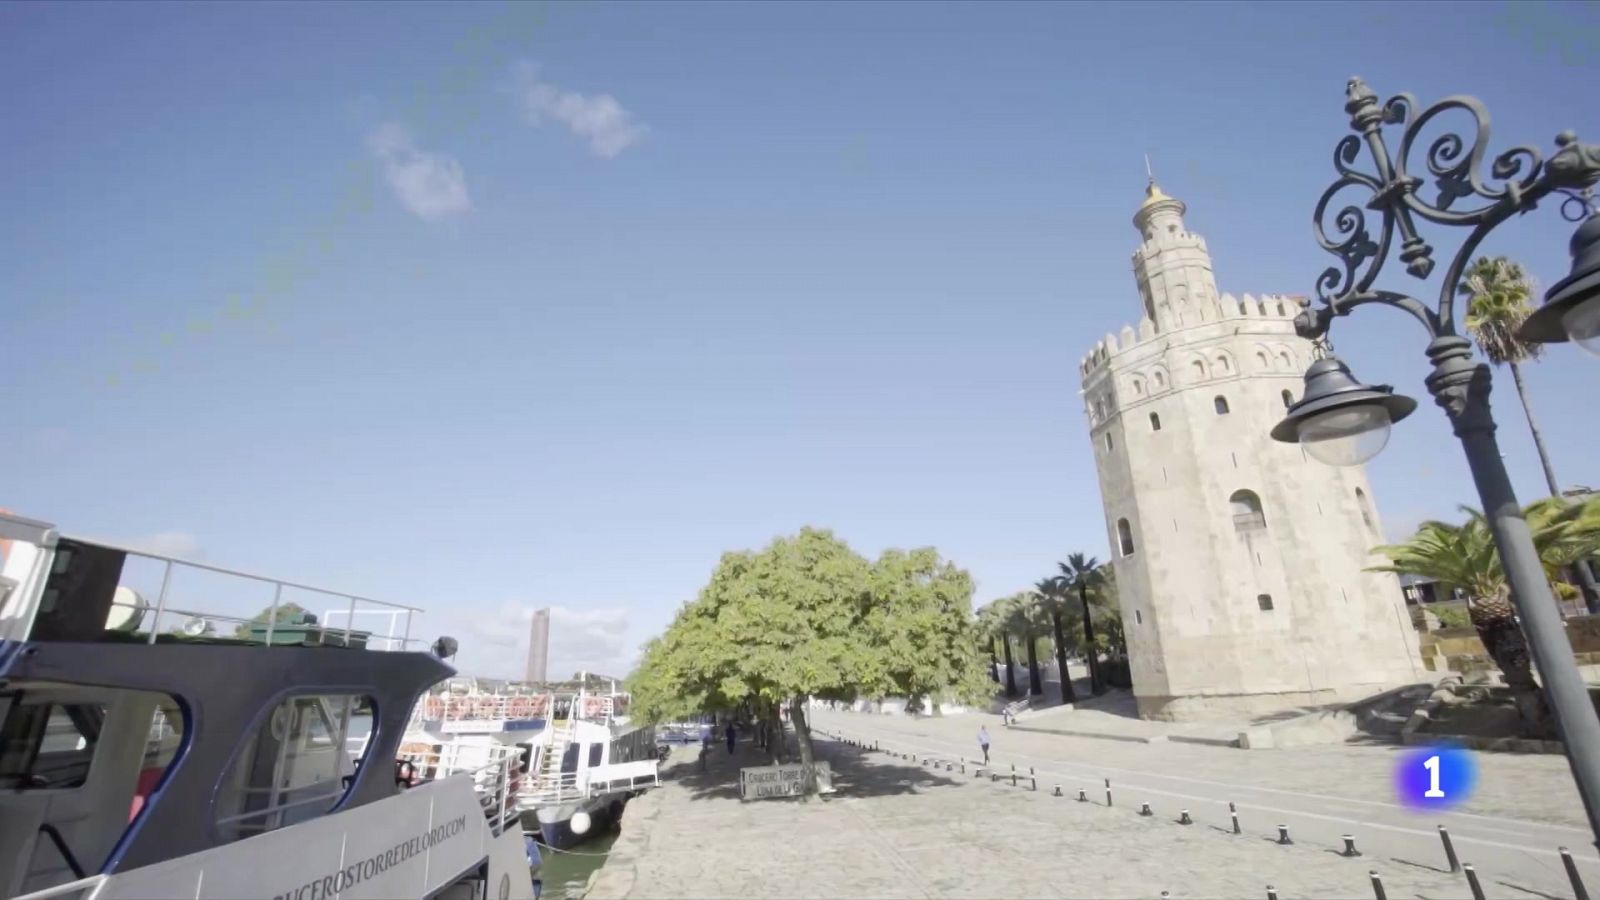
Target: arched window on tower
1223	365
1366	511
1155	422
1161	380
1288	398
1220	404
1124	537
1247	514
1284	360
1197	369
1261	360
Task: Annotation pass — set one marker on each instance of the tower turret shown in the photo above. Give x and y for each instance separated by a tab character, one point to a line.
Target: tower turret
1171	267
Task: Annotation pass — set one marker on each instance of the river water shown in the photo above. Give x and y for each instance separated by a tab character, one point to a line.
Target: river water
566	872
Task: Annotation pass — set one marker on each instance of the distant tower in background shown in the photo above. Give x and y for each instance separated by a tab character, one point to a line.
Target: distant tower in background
1241	564
538	646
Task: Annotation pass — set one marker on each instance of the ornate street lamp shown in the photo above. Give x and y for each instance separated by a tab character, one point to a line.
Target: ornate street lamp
1341	421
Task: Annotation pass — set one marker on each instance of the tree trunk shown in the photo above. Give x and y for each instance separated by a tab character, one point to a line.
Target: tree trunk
994	665
1097	684
1035	686
1061	657
802	731
777	741
1580	574
1497	628
1011	678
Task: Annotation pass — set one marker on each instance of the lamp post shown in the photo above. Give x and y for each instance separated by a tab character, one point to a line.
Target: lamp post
1341	421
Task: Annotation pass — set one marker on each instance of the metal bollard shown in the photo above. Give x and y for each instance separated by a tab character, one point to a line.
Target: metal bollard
1057	791
1144	809
1035	782
1108	793
1350	846
1449	850
1234	815
1377	886
1272	893
1578	891
994	777
1283	835
1083	796
1472	881
1184	818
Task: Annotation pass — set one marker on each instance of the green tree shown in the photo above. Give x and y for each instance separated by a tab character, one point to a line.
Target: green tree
992	624
1464	556
1498	296
287	612
1027	618
920	622
1053	595
1081	573
807	617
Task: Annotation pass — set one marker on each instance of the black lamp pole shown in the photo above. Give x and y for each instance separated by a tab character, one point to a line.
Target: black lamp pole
1335	401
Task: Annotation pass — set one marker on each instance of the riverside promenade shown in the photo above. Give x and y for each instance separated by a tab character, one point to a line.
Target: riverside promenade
898	828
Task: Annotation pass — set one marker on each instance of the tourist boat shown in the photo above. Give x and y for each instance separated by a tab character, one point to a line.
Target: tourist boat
584	756
138	760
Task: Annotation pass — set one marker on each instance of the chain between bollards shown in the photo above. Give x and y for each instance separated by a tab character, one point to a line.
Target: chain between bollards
1472	882
1449	850
1578	890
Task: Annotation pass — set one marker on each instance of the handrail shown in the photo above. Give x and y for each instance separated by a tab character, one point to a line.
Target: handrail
148	554
54	834
86	888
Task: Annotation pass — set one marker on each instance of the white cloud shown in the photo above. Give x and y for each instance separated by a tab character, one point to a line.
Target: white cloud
168	543
431	185
494	643
598	119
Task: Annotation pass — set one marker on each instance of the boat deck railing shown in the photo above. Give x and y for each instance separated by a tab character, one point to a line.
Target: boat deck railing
191	599
495	771
82	889
594	781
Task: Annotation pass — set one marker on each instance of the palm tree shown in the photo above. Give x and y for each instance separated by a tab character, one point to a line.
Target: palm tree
992	622
1026	617
1082	572
1464	556
1053	596
1498	294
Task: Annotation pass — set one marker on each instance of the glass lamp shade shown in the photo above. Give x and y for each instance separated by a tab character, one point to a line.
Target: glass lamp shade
1582	325
1346	436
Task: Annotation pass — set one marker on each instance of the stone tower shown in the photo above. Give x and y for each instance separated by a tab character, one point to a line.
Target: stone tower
1239	561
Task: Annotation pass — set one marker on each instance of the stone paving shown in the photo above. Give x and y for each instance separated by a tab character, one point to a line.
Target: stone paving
899	829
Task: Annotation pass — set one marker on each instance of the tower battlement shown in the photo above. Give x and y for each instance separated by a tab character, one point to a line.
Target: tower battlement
1279	307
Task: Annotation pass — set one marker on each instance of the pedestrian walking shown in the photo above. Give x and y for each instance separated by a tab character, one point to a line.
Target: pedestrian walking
730	737
705	744
983	743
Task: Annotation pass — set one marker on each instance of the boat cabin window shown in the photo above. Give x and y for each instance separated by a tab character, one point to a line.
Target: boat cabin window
77	766
569	759
48	745
296	766
595	751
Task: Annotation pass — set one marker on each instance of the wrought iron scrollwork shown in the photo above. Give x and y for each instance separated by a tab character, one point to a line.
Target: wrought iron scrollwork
1517	179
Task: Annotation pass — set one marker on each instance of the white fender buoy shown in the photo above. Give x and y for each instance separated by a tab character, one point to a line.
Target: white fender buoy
580	823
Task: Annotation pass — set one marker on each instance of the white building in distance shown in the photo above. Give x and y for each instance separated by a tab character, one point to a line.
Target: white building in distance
1239	561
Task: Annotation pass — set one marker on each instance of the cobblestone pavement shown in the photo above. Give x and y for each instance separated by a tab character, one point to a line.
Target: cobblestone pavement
902	829
1525	806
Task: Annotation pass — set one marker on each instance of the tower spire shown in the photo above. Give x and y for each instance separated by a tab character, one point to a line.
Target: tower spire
1147	171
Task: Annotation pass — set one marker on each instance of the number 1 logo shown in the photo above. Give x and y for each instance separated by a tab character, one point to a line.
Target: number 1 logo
1432	765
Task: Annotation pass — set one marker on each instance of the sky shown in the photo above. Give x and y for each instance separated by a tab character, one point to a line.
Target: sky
483	308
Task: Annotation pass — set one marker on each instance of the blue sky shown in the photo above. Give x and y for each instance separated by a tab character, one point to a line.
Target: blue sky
485	310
